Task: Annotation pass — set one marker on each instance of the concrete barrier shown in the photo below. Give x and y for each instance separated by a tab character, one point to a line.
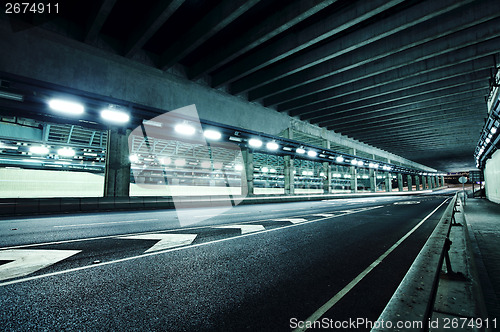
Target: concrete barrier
30	206
414	298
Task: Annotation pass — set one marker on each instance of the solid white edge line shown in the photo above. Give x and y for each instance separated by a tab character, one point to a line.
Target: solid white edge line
105	223
328	305
168	250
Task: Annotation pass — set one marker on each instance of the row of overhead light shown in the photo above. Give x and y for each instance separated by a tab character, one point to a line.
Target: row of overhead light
110	114
186	129
489	137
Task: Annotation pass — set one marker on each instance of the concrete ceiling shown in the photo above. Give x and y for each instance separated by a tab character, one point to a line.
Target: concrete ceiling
409	77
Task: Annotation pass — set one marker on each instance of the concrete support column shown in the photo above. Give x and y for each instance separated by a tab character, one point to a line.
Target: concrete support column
424	183
373	180
417	182
436	181
327	180
354	179
429	181
410	184
400	182
442	181
117	173
388	182
247	172
289	176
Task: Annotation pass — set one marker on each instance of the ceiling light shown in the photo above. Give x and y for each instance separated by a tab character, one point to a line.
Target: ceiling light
65	106
354	162
165	160
265	169
238	167
206	164
272	170
256	143
212	134
339	159
11	96
66	152
272	146
180	162
300	150
312	153
39	150
487	140
493	130
133	158
304	172
185	129
115	116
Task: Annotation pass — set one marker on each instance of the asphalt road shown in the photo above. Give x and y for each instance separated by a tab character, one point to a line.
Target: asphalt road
255	267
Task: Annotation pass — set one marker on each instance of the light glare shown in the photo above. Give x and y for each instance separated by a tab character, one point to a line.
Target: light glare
115	116
256	143
212	134
65	106
185	129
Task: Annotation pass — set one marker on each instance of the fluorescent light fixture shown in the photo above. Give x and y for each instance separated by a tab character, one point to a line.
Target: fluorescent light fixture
322	156
487	140
65	106
212	134
304	173
493	130
218	164
300	150
272	170
133	158
43	150
8	147
265	169
339	159
185	129
180	162
255	143
321	174
273	146
365	177
312	153
206	164
66	152
354	162
115	116
152	123
238	167
286	148
11	96
347	176
361	163
235	139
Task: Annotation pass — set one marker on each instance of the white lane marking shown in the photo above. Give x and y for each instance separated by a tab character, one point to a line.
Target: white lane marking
105	223
292	220
328	305
323	215
244	228
27	261
166	240
360	209
161	252
406	203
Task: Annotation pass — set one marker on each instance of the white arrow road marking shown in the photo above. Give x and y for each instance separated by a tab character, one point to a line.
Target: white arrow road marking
361	209
26	261
324	215
166	240
245	228
292	220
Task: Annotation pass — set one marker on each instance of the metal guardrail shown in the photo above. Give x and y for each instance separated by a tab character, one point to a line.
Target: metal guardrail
414	299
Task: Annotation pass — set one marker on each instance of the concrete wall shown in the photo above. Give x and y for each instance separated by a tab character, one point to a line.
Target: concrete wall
53	58
492	177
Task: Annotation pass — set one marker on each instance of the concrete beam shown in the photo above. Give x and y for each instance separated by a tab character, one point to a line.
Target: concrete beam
336	23
400	51
273	25
327	116
214	21
366	98
378	75
339	46
97	21
380	84
158	16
